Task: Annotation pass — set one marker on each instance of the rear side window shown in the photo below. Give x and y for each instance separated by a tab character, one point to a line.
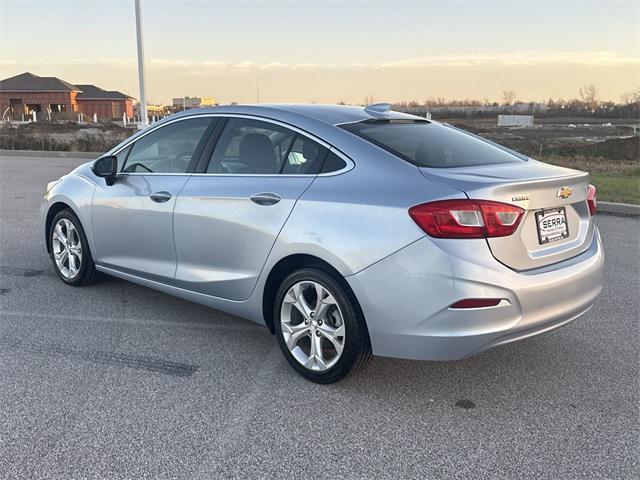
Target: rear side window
428	144
255	147
333	163
305	157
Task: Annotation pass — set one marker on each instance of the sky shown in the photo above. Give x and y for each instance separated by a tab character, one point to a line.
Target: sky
326	52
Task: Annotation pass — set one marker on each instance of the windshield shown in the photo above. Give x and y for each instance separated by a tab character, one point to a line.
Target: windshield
434	145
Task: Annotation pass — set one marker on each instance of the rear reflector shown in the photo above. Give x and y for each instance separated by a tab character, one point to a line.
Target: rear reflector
591	200
467	218
476	303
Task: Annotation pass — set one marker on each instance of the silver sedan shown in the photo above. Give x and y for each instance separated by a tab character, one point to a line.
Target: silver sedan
346	231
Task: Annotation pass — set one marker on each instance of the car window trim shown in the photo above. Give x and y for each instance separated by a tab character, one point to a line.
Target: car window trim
285	159
197	153
212	141
350	164
126	157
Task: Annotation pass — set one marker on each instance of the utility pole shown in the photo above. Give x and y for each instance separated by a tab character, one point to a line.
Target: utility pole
143	99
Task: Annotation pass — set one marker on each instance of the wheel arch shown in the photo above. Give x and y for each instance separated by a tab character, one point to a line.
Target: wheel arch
288	265
53	210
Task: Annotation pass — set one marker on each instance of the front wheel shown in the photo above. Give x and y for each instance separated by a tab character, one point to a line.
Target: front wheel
319	326
69	250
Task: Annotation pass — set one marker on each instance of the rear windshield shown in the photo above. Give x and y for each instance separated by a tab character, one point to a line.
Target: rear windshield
427	144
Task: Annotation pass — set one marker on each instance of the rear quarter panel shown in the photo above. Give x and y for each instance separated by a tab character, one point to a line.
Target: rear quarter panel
356	218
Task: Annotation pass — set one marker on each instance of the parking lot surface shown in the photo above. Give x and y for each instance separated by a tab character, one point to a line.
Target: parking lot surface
119	381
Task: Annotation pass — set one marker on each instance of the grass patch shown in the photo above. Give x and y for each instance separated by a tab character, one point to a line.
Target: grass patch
616	187
616	180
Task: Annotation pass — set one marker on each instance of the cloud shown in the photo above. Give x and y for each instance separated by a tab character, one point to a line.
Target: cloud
602	58
242	66
274	66
522	59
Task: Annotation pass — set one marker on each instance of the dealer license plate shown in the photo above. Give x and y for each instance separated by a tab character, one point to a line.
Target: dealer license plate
552	225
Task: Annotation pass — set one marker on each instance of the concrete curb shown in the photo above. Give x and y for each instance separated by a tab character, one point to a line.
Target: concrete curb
40	153
619	209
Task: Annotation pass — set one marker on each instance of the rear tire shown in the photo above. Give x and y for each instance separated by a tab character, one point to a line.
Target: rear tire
69	250
319	326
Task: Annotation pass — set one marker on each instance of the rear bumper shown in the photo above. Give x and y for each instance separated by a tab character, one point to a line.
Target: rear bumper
406	297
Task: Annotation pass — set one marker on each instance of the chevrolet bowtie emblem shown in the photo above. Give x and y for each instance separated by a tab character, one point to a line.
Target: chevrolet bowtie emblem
564	192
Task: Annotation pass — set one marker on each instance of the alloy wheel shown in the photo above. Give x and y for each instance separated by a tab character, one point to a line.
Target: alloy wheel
67	248
312	325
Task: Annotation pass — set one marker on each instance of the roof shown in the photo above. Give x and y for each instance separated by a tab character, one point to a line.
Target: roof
28	82
328	114
91	92
318	120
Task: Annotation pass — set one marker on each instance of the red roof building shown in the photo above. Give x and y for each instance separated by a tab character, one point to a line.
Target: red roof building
104	103
27	93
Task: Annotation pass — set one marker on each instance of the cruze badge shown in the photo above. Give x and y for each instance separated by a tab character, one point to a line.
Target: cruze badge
564	192
520	198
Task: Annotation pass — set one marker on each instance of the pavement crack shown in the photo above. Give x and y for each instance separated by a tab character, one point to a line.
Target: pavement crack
233	324
137	362
19	272
248	407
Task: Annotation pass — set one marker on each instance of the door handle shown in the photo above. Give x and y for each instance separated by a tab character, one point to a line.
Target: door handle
160	197
265	198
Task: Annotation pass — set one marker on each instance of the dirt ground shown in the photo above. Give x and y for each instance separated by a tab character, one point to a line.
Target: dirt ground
62	136
563	137
607	149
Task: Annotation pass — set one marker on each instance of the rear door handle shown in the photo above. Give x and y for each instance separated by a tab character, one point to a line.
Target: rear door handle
160	197
265	198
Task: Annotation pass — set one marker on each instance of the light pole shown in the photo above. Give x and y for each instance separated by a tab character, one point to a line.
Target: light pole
143	99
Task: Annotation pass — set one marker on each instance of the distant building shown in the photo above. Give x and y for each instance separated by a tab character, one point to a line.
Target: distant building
515	120
157	110
185	103
107	104
26	93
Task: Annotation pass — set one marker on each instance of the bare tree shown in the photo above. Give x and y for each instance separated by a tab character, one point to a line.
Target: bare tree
509	96
631	97
589	95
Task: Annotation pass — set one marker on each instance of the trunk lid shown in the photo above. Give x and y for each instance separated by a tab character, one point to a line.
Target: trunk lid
536	187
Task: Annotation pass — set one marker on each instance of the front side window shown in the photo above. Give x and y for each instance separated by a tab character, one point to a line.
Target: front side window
122	156
427	144
255	147
168	149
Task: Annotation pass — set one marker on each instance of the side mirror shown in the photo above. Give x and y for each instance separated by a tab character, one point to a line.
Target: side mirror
107	168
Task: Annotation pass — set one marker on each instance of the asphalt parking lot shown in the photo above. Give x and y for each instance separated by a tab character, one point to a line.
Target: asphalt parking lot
119	381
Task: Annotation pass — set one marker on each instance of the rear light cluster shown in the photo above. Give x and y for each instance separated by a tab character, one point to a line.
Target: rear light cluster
467	218
591	200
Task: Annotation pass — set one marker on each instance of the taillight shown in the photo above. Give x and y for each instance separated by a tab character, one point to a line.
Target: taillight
467	218
591	200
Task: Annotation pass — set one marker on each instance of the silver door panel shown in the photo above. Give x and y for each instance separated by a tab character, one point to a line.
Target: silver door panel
223	237
132	232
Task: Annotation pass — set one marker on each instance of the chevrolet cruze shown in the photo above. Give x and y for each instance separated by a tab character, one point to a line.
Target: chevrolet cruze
346	231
